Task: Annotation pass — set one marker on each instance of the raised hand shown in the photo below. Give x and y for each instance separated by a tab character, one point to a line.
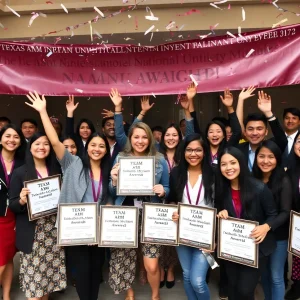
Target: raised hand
107	113
191	91
38	103
247	93
264	103
184	102
70	104
145	104
115	97
228	98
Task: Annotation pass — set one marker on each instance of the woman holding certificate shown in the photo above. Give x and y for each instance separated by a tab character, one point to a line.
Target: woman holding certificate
123	262
85	180
42	263
12	152
267	168
240	196
191	182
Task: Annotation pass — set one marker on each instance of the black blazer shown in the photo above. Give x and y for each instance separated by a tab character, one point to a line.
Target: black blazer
263	210
25	229
279	138
4	192
287	160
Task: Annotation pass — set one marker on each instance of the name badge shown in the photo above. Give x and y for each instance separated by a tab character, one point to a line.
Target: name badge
215	161
138	203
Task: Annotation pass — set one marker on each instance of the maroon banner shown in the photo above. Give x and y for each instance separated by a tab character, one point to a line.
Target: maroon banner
263	58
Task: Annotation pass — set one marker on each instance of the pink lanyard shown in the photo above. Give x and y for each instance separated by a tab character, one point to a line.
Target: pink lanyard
96	196
7	177
213	157
39	175
188	192
170	166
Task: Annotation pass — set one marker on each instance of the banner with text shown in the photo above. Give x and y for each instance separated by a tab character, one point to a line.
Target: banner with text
262	58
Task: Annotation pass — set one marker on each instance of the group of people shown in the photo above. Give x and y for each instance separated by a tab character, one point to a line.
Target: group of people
230	166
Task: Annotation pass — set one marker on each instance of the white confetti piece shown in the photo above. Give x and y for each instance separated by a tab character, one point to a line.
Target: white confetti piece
221	2
2	26
243	14
204	36
153	95
279	23
151	36
129	16
170	26
242	37
129	83
181	27
13	11
64	8
35	15
149	29
193	79
230	34
49	54
215	26
250	52
99	11
79	91
239	30
274	3
151	18
91	30
128	39
215	6
98	34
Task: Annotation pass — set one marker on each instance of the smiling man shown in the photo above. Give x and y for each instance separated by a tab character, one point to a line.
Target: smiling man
108	128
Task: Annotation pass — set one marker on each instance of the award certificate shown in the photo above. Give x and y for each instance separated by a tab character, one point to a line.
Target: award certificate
294	237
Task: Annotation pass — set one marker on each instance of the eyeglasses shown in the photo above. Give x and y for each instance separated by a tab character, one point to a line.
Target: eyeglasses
190	151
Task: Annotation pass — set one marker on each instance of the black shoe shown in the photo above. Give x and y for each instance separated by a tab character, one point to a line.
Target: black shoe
162	283
170	284
223	293
293	293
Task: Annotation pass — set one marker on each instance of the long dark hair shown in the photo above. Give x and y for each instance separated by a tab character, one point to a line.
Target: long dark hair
51	161
74	138
20	152
294	174
105	162
207	173
246	182
87	121
277	174
223	143
163	148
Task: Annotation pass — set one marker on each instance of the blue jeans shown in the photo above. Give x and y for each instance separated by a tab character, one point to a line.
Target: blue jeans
273	276
194	266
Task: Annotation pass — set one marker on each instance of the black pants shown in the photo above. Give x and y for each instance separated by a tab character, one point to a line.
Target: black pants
88	262
242	280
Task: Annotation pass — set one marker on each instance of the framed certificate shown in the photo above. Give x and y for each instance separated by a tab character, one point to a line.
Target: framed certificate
197	226
44	196
235	243
157	224
118	226
136	176
77	224
294	237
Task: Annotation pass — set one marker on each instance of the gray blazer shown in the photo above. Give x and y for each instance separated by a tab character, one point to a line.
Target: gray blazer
75	182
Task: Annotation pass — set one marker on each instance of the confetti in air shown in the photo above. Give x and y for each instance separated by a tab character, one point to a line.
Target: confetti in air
13	11
99	11
279	23
64	8
49	54
79	90
243	14
215	6
250	53
35	15
230	34
151	17
193	79
148	30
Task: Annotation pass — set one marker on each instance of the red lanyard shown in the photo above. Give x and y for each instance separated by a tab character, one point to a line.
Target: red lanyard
96	196
7	177
238	212
39	175
188	192
170	166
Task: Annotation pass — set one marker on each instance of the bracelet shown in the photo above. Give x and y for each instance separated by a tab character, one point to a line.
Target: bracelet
271	117
118	111
142	115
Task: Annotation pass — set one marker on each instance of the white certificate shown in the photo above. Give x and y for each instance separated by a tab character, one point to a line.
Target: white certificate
136	176
157	224
235	243
118	226
294	238
44	196
197	226
77	224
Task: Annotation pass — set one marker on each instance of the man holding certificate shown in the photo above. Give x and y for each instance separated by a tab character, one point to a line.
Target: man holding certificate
240	196
139	148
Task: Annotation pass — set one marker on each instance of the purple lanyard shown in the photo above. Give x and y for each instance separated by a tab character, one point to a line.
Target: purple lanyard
237	212
96	197
299	185
188	193
39	175
213	157
7	177
170	166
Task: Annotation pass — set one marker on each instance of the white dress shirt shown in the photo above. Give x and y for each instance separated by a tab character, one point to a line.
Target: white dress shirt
291	139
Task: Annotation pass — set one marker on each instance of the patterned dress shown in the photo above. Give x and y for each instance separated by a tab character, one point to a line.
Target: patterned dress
43	271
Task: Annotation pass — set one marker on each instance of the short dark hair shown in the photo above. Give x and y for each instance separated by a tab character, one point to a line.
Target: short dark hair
104	120
255	117
157	128
293	110
5	119
29	120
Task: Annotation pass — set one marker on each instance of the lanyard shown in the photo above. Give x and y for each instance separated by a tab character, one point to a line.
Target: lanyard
7	177
237	211
170	166
96	196
39	175
213	157
188	192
